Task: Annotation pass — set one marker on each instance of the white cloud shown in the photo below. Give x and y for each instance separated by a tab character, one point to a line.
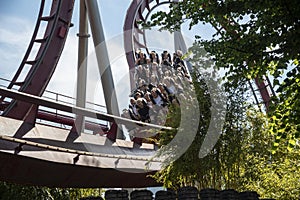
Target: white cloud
14	41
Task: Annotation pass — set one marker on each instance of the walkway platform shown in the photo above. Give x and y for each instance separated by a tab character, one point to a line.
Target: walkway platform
54	157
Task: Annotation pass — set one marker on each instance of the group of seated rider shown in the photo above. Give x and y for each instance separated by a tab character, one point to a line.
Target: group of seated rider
159	82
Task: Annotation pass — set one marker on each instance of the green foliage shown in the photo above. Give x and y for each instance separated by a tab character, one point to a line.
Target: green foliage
272	175
252	39
183	171
10	191
255	151
284	119
242	159
219	168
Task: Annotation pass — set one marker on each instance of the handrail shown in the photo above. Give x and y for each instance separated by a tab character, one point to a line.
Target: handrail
78	152
74	109
61	118
58	95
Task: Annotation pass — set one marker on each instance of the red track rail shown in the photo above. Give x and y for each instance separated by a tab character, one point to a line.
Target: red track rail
42	68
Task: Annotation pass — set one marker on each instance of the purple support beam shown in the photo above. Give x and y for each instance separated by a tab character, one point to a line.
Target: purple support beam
265	95
47	57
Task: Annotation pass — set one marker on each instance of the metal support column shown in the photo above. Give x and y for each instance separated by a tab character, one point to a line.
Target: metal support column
103	59
179	44
82	64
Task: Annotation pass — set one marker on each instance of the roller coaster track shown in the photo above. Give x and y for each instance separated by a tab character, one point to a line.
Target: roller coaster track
48	156
44	64
138	11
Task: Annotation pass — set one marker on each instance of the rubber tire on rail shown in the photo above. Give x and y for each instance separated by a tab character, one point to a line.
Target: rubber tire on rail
165	195
141	195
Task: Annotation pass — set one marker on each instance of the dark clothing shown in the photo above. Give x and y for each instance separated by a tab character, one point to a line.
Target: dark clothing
144	113
142	61
166	59
150	86
156	59
132	115
178	62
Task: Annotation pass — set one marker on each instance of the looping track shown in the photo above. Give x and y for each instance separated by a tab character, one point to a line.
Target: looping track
44	64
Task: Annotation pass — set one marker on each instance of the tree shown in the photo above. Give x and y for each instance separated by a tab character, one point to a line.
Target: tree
242	158
23	192
219	168
252	39
271	175
255	152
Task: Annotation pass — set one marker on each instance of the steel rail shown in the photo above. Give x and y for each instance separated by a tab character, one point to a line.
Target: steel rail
28	98
46	59
67	150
